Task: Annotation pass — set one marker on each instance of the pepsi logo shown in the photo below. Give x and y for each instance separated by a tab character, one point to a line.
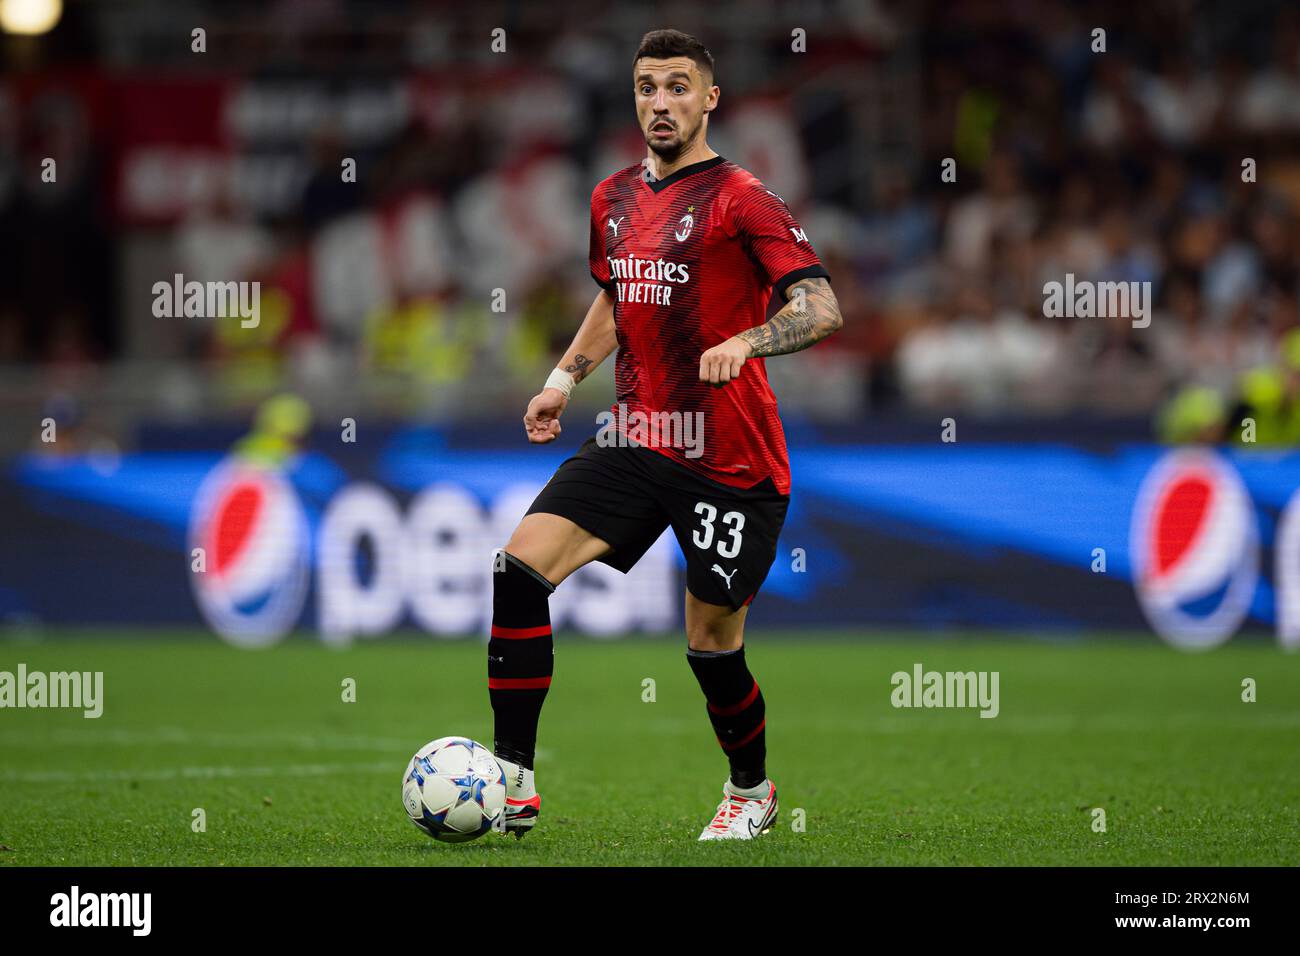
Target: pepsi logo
1194	546
1286	575
253	532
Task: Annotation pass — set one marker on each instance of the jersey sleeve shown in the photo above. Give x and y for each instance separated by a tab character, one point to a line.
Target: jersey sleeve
599	263
774	239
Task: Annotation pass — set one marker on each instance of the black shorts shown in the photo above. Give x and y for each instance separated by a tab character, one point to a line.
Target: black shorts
626	496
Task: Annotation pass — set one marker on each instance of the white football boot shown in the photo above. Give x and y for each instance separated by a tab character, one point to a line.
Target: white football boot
743	816
523	802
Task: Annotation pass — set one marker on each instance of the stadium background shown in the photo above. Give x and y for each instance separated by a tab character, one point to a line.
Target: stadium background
425	302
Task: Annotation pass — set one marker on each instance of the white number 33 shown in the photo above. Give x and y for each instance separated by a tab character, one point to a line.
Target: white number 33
703	535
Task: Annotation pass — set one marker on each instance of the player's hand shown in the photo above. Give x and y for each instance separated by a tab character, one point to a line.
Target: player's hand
542	420
720	364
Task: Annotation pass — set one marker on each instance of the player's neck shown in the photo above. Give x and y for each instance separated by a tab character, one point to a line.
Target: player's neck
661	168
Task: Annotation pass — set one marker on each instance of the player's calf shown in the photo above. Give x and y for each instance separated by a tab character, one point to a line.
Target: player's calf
738	714
736	710
520	663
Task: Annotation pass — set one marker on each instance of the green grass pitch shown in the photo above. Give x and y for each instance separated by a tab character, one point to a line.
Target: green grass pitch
286	772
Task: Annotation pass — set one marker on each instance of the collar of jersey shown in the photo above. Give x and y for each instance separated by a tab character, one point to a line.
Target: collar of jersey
692	169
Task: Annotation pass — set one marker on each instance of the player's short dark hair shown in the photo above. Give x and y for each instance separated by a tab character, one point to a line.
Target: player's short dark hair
662	44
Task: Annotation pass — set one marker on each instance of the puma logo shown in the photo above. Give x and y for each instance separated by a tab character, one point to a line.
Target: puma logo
725	575
614	224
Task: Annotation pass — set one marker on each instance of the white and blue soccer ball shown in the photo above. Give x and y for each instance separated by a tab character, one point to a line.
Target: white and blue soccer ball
454	789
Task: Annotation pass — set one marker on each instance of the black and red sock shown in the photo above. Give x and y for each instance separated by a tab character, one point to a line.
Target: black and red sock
736	710
520	658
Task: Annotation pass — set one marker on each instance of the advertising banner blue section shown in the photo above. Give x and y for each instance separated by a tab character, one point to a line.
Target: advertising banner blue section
359	541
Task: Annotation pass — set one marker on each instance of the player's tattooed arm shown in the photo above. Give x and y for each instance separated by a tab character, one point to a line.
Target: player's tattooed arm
579	367
811	314
596	339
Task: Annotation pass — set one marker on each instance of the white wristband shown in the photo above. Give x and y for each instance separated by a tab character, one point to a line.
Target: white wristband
560	379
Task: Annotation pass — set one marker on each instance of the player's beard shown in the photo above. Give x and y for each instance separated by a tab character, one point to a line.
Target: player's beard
669	151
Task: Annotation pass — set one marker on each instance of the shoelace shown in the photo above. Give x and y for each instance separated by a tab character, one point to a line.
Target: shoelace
728	810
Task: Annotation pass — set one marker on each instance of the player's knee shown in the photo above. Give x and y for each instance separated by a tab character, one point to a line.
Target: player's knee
713	635
528	553
712	627
537	550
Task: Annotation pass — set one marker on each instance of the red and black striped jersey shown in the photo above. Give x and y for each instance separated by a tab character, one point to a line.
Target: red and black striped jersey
691	260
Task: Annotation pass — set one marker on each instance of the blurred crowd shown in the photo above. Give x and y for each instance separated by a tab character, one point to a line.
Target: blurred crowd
1172	158
1165	150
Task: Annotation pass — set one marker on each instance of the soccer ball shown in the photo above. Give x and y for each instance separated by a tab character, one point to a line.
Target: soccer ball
454	789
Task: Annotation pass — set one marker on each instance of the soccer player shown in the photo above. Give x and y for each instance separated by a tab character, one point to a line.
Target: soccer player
686	248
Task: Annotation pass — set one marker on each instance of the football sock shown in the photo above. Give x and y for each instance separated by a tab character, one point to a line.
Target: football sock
519	780
520	658
761	790
736	710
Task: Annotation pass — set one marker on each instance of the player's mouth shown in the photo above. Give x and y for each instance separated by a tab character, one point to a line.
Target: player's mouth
662	129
